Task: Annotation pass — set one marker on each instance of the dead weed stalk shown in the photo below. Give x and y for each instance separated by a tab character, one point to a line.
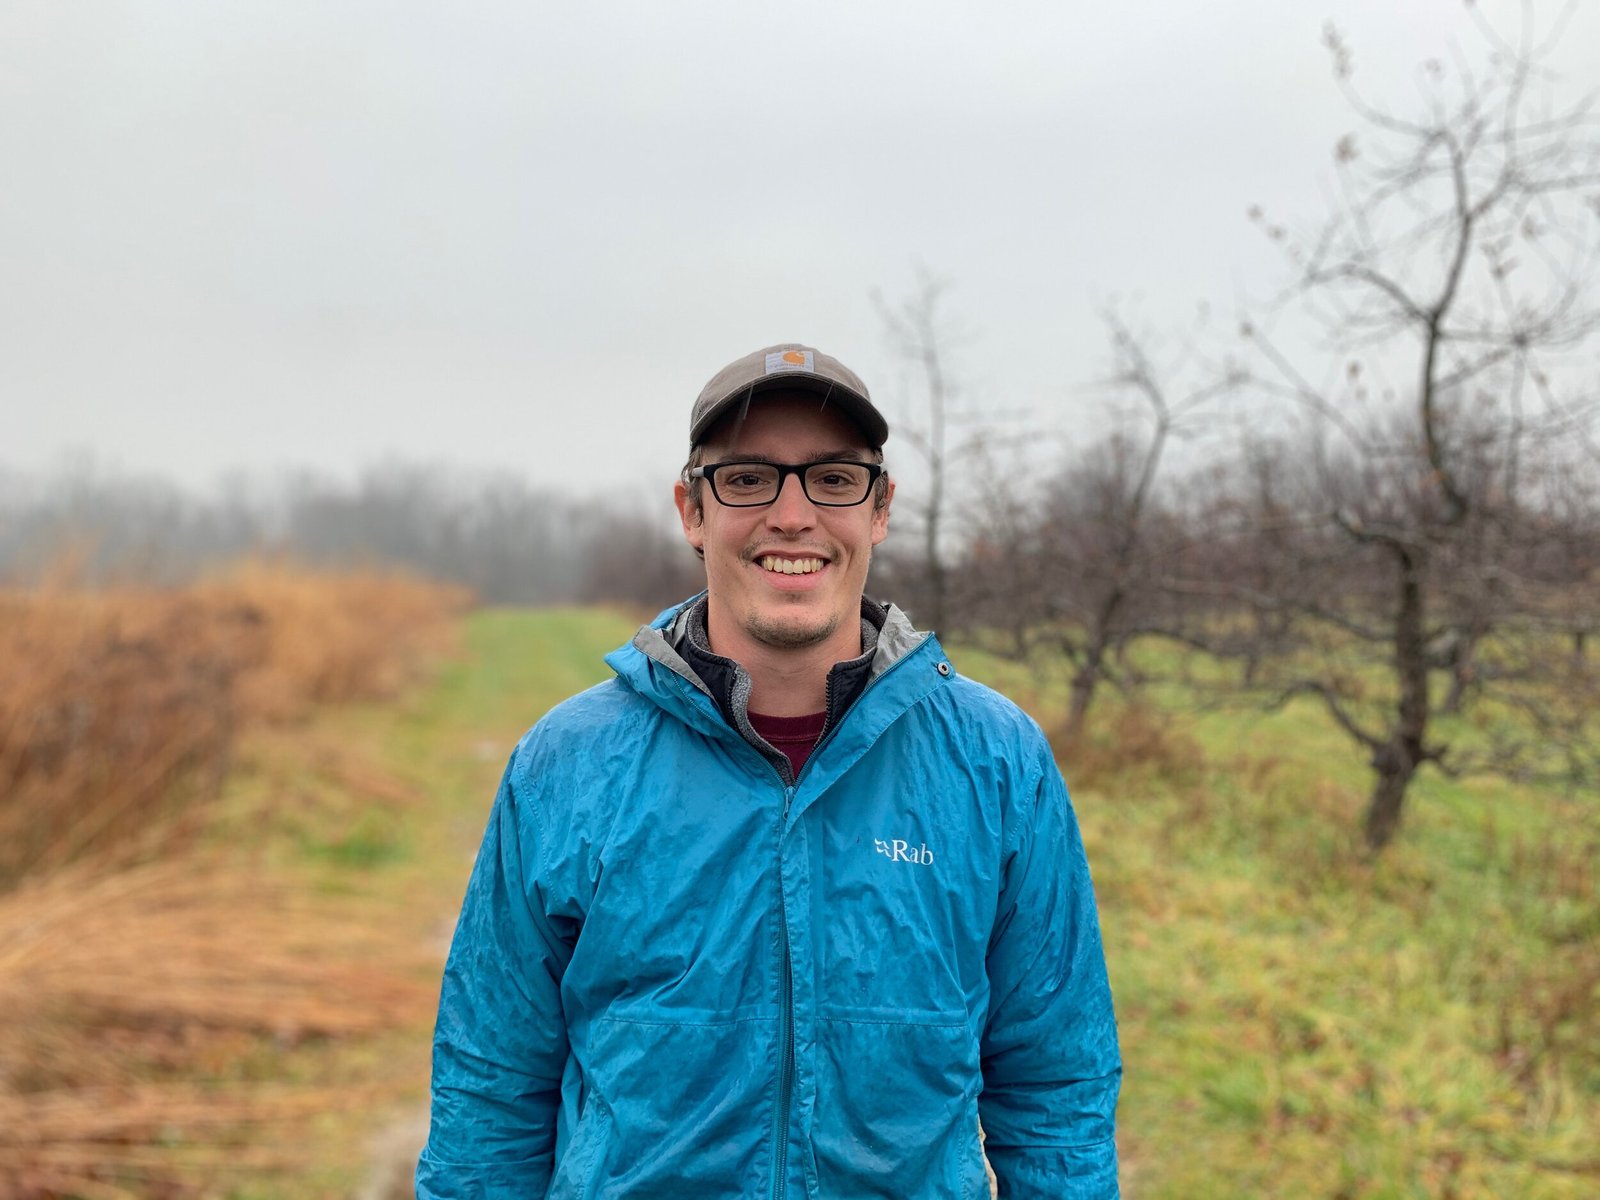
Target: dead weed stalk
119	708
100	972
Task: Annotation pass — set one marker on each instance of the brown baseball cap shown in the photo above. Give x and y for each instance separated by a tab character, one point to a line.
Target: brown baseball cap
790	367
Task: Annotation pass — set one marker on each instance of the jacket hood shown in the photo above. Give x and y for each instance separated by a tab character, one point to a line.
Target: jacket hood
658	642
654	666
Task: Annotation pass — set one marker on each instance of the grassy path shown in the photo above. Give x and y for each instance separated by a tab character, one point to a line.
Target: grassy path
1296	1021
385	805
454	741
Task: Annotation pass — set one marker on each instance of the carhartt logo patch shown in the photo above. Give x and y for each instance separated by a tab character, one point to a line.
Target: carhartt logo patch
897	850
789	360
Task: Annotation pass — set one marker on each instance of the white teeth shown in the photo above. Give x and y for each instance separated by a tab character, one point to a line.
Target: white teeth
790	566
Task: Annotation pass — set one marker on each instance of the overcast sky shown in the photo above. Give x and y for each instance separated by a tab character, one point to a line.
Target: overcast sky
523	235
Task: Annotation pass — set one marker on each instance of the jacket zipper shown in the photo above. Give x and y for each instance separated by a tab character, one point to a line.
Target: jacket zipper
780	1154
780	1131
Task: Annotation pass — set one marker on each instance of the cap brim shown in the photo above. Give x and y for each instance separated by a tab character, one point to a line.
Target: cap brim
857	408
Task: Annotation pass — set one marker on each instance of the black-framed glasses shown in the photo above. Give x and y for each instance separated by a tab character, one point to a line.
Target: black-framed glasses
830	483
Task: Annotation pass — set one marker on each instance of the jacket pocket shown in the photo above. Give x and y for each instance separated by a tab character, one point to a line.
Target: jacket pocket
897	1109
579	1169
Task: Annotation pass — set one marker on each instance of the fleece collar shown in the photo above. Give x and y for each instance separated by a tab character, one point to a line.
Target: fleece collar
729	683
665	645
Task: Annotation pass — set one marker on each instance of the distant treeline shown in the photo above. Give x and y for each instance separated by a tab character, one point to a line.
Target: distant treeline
510	542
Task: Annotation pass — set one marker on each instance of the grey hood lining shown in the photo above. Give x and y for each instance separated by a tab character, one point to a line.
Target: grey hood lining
895	638
661	645
730	684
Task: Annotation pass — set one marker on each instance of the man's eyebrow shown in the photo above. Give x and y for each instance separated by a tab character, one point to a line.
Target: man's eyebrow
849	455
846	455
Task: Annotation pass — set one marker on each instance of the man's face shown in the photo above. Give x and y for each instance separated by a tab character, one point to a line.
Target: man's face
750	601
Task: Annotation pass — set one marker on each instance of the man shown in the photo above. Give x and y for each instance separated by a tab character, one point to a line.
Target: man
788	906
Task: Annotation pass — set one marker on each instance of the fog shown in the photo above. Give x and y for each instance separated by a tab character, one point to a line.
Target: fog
521	237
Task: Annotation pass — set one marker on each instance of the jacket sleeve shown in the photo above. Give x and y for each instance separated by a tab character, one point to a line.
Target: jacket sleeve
1051	1065
500	1044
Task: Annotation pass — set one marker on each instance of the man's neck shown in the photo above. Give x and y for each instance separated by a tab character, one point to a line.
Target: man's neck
785	681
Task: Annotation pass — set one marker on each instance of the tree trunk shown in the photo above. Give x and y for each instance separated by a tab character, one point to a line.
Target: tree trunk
933	566
1083	686
1395	767
1100	643
1463	670
1396	760
1078	711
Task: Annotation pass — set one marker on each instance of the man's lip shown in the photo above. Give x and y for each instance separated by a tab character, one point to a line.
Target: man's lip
781	576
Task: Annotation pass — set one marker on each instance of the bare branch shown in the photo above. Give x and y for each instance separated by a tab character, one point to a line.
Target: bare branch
1332	703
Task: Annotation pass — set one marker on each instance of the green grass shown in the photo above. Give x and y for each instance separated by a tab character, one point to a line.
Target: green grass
456	739
384	805
1297	1020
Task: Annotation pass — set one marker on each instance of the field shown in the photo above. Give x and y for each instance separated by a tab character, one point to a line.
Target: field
1299	1020
241	1009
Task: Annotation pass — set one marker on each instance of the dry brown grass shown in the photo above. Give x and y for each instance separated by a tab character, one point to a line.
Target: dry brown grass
332	637
1124	741
151	993
118	708
103	1144
119	988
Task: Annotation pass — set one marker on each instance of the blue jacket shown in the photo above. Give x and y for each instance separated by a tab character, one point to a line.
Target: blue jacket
679	974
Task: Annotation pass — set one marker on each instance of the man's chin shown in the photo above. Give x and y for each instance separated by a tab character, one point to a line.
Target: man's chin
791	632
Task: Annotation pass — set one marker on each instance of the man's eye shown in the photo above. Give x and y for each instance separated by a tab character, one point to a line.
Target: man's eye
744	479
837	480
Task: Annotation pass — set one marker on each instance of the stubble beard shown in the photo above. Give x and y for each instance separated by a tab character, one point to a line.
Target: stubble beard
792	634
783	635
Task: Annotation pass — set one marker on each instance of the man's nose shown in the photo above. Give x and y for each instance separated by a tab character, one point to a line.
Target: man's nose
793	508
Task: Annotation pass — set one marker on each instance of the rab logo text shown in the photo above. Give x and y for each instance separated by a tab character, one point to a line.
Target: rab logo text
901	851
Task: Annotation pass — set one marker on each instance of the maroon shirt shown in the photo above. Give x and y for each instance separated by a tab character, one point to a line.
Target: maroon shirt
795	736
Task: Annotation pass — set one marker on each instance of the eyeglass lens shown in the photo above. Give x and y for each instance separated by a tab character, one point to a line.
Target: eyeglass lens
835	483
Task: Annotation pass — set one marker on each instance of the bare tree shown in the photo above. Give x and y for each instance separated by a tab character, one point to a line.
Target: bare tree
1106	538
921	335
1443	305
1073	571
635	561
510	542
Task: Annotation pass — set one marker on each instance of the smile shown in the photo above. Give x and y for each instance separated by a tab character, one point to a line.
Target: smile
790	566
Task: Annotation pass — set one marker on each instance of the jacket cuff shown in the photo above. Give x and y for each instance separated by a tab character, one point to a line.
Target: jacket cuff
439	1180
1056	1172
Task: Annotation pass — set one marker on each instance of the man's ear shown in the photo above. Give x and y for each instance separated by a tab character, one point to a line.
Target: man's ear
691	517
880	515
